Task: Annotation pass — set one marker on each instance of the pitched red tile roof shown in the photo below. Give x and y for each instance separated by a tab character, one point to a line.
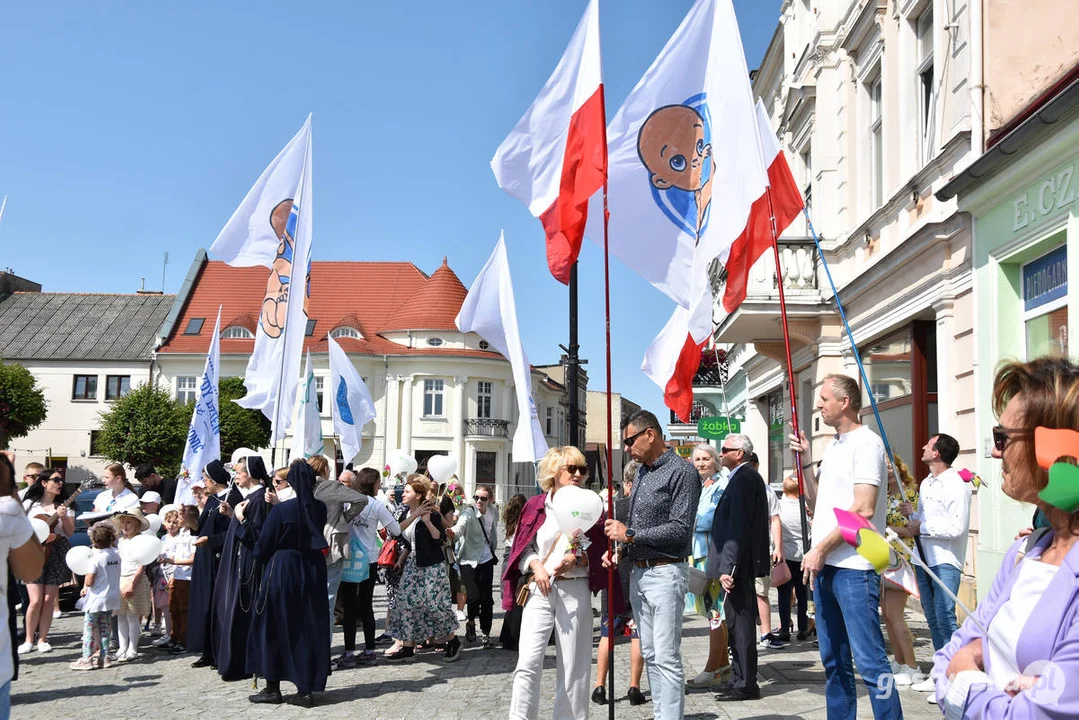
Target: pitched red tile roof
373	297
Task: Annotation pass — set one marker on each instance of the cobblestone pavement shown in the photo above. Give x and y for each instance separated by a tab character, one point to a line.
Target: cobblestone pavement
477	686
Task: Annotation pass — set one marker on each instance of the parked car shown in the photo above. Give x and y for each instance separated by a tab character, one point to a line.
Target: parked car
84	503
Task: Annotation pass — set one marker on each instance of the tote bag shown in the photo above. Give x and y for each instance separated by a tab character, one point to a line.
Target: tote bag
357	566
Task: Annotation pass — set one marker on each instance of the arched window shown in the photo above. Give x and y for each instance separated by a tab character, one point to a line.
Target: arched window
346	332
237	332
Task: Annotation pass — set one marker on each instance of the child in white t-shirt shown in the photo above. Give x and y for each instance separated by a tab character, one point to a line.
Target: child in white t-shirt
101	588
177	556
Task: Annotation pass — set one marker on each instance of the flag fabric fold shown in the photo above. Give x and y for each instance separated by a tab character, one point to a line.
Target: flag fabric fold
273	227
555	158
307	432
684	164
203	436
490	311
352	404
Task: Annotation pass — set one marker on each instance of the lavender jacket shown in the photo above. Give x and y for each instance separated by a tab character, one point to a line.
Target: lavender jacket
1051	633
532	517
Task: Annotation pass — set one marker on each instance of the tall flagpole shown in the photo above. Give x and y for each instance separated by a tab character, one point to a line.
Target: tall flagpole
790	372
573	363
610	453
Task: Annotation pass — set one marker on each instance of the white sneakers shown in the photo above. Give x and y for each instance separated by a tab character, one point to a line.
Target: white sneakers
708	679
906	676
926	685
163	640
28	647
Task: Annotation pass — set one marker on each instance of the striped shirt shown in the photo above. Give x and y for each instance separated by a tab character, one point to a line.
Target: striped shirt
662	509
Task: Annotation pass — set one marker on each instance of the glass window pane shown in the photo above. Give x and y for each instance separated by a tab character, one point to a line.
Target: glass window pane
899	425
1048	334
887	364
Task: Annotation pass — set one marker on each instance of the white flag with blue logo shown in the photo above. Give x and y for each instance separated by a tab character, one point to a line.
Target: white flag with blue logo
307	432
352	404
272	227
490	311
204	435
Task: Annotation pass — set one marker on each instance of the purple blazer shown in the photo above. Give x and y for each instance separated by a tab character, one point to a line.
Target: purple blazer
532	517
1051	633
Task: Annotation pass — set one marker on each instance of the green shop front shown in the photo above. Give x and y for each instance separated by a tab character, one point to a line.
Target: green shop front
1022	197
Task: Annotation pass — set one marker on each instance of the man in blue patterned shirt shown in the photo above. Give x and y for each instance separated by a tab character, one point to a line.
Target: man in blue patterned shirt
656	540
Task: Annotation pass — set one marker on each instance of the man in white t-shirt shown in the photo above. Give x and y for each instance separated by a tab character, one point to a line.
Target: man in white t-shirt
846	588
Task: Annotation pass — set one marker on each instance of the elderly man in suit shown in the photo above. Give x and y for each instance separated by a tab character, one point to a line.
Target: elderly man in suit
740	535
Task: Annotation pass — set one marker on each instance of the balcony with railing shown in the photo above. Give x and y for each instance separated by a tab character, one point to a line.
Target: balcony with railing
756	318
487	427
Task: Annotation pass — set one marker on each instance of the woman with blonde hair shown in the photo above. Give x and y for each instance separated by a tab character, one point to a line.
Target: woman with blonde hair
893	597
559	593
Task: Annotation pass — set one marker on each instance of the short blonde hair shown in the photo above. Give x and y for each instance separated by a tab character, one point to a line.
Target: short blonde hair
553	462
319	465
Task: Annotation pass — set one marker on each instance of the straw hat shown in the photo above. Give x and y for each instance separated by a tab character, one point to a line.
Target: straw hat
133	513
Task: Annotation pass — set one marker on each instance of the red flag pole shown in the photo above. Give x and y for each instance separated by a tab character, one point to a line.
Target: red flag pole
790	372
610	453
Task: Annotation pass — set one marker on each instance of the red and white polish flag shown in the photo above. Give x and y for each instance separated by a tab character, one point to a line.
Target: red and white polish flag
555	159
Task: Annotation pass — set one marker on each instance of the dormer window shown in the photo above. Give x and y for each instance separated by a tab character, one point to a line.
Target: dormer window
346	332
434	341
194	326
237	332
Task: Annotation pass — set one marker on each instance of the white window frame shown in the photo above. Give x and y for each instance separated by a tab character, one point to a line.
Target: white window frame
875	105
186	385
237	332
484	399
434	401
346	331
320	384
924	36
1045	309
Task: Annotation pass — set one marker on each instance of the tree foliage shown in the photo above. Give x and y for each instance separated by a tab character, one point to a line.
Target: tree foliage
145	426
240	427
22	403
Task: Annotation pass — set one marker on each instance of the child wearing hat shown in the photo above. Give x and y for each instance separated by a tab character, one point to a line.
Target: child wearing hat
134	587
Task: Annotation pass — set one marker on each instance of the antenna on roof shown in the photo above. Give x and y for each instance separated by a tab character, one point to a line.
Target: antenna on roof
163	266
2	206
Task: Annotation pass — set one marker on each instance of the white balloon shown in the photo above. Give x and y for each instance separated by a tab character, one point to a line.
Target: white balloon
401	462
576	508
41	528
155	524
80	559
441	467
143	549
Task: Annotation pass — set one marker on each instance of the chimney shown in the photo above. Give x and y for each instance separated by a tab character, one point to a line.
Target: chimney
143	291
12	283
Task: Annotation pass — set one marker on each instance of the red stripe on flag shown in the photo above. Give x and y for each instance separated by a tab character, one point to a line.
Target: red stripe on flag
584	167
678	395
757	237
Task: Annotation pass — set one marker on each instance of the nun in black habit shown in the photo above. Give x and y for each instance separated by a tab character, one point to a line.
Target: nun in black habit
290	628
238	574
212	528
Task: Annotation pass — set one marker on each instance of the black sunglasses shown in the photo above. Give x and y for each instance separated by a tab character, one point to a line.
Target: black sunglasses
582	469
480	498
1001	436
628	442
725	450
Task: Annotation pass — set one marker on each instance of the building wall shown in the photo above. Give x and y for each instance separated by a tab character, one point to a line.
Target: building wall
397	388
1029	46
65	434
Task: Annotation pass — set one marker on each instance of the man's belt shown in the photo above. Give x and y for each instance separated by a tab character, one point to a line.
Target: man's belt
655	562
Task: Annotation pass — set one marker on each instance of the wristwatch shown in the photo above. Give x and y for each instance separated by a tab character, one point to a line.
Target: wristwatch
629	535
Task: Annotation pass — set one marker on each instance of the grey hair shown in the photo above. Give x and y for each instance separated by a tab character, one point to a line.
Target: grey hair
629	473
710	449
740	442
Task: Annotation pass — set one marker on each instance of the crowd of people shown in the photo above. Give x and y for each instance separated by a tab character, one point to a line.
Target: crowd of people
252	579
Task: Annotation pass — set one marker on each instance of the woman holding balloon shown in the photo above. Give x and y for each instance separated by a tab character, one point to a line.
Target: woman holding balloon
45	500
556	554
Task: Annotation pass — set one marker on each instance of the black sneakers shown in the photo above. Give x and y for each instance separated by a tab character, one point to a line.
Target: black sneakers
470	632
453	650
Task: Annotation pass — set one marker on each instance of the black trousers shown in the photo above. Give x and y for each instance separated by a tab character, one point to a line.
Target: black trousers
740	608
784	591
357	604
479	585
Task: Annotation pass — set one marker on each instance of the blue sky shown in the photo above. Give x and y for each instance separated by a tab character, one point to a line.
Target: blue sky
128	130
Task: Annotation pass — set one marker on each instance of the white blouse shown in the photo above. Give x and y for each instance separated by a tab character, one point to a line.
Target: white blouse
105	502
1034	578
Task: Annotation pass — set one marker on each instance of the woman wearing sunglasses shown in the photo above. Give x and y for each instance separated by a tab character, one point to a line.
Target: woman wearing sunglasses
45	499
1016	655
476	532
559	598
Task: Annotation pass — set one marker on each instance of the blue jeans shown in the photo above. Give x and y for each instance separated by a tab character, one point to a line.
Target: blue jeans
657	595
939	609
848	622
333	584
5	700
